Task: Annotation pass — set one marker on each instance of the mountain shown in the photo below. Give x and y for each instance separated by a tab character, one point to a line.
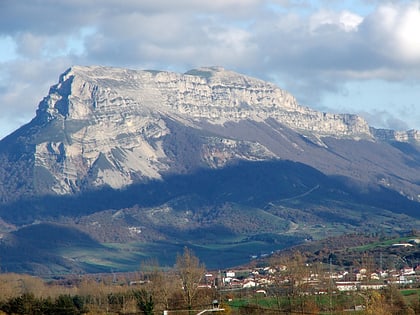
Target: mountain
209	158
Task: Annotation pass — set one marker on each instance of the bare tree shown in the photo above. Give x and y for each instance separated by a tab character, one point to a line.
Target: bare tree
291	282
191	271
161	285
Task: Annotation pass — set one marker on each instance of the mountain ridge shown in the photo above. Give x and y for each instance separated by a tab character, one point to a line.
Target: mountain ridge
107	126
146	162
211	93
216	77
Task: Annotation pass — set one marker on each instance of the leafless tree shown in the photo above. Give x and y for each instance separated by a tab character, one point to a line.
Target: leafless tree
190	271
162	283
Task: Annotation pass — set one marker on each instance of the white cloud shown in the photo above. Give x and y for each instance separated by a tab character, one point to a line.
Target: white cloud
394	31
308	49
350	21
30	45
407	33
344	20
19	95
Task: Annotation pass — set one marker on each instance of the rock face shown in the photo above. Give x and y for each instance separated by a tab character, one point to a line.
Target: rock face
412	136
210	158
112	127
98	94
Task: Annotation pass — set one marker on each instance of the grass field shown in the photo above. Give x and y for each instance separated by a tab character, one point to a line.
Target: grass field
129	256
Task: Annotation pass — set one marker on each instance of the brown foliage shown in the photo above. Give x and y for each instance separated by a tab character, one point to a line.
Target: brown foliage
190	271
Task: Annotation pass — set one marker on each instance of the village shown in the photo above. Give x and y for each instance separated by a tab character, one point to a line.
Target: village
317	278
262	279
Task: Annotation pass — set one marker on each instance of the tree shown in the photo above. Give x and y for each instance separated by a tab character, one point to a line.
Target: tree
161	284
69	305
24	304
291	283
377	305
395	300
191	271
144	301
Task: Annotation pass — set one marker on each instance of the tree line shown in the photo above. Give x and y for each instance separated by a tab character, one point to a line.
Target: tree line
156	289
160	290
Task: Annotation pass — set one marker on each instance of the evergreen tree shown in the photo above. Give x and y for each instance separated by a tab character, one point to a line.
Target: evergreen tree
144	301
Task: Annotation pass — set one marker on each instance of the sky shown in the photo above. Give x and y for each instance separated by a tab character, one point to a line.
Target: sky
339	56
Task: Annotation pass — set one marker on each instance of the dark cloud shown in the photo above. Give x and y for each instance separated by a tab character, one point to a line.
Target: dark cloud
310	53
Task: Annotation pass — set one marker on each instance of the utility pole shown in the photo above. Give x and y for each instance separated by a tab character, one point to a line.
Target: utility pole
380	262
330	286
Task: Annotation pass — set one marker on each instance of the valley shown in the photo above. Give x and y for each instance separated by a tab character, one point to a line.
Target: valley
121	165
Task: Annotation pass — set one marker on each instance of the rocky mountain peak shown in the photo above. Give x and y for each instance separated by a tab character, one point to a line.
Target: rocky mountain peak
112	126
210	93
209	155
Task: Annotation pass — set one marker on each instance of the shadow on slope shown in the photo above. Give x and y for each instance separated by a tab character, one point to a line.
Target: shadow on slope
37	249
242	190
253	184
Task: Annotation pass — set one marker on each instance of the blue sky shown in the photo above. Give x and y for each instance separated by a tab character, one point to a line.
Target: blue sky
359	56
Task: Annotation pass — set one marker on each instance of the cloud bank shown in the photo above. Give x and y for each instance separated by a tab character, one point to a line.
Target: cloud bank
311	48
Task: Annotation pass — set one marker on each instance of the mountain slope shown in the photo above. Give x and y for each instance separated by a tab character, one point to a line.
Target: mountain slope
162	159
114	127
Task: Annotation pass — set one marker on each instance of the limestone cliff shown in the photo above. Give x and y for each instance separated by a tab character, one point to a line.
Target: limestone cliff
101	126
